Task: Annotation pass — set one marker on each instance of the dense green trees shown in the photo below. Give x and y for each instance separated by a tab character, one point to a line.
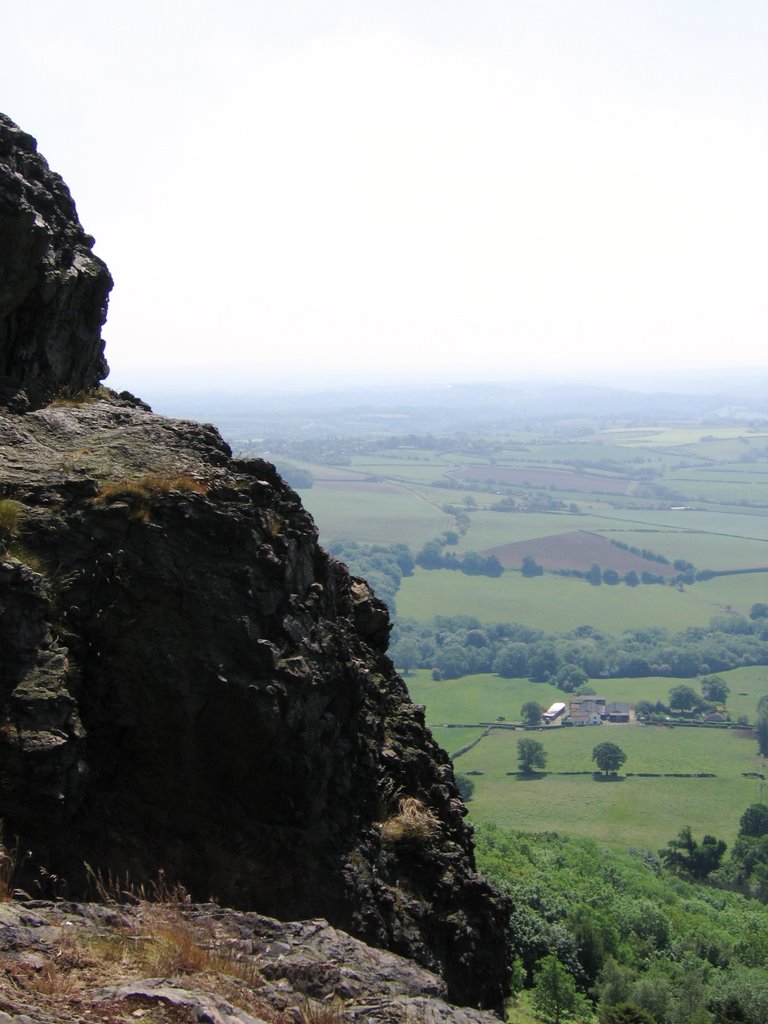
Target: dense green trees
625	1013
609	757
672	950
512	661
514	650
433	556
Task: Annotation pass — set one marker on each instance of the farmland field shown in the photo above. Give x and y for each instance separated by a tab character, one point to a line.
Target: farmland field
553	603
575	550
483	698
632	812
373	513
616	813
687	490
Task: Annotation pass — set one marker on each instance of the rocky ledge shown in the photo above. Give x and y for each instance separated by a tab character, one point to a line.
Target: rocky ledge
179	964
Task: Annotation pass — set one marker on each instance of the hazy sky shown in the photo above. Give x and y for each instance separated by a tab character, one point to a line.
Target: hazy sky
293	190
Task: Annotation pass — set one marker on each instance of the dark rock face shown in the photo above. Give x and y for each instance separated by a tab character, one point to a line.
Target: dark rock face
189	683
53	290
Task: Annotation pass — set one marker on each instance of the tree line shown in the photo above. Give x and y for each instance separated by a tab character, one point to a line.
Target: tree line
460	645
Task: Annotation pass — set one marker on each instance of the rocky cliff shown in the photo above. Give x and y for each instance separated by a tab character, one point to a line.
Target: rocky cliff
188	682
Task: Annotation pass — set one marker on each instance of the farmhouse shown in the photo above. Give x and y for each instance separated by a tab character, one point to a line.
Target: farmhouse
555	711
582	717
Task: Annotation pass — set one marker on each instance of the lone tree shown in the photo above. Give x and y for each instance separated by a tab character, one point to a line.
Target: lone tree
609	757
530	755
531	713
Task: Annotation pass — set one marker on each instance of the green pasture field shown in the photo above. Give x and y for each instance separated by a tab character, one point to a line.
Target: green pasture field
736	472
452	740
492	529
704	550
628	812
479	698
552	603
729	522
483	698
373	514
648	748
738	592
717	489
747	685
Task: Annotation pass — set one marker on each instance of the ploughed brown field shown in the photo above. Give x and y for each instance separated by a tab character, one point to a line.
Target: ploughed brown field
575	550
561	480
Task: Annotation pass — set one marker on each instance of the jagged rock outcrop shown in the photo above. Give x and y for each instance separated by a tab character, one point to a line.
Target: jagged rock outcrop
53	289
190	684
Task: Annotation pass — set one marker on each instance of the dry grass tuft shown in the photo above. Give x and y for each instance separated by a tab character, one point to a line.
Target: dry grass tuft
141	493
313	1012
52	980
162	938
413	823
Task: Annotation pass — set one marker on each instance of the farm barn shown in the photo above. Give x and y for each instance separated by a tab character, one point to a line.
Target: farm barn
553	712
